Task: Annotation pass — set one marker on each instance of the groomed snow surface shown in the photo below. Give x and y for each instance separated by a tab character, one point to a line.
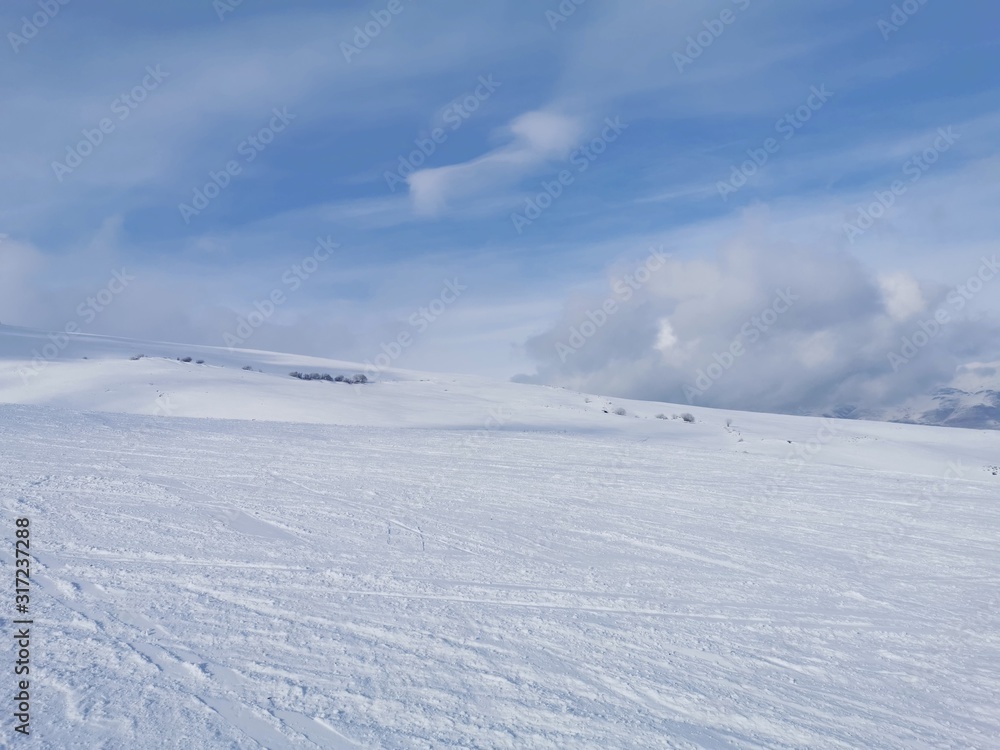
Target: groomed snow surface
238	559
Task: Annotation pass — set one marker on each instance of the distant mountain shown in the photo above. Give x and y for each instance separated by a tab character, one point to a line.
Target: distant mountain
971	400
953	407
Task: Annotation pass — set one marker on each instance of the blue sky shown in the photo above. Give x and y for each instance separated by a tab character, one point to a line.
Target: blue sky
835	98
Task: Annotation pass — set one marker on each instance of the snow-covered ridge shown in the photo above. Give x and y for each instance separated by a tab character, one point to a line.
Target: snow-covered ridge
101	374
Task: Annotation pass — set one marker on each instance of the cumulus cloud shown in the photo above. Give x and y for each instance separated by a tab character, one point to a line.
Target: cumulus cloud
535	138
765	325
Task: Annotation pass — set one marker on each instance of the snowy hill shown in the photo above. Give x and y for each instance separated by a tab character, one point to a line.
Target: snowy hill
102	374
238	558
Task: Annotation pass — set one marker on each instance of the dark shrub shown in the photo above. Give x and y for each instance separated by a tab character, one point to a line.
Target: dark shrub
326	377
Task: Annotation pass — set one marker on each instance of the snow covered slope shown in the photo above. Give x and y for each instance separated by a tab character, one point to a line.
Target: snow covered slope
97	373
444	561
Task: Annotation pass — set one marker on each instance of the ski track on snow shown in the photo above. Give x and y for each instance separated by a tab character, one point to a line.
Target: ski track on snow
217	584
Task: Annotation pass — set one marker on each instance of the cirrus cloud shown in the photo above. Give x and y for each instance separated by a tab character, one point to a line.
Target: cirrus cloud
535	139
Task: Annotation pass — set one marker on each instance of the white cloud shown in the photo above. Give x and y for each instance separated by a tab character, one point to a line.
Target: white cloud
666	338
731	318
902	295
20	265
536	138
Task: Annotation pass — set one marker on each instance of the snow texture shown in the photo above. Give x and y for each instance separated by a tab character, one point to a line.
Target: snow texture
231	558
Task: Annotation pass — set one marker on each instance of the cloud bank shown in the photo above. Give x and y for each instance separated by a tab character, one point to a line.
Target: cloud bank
766	325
